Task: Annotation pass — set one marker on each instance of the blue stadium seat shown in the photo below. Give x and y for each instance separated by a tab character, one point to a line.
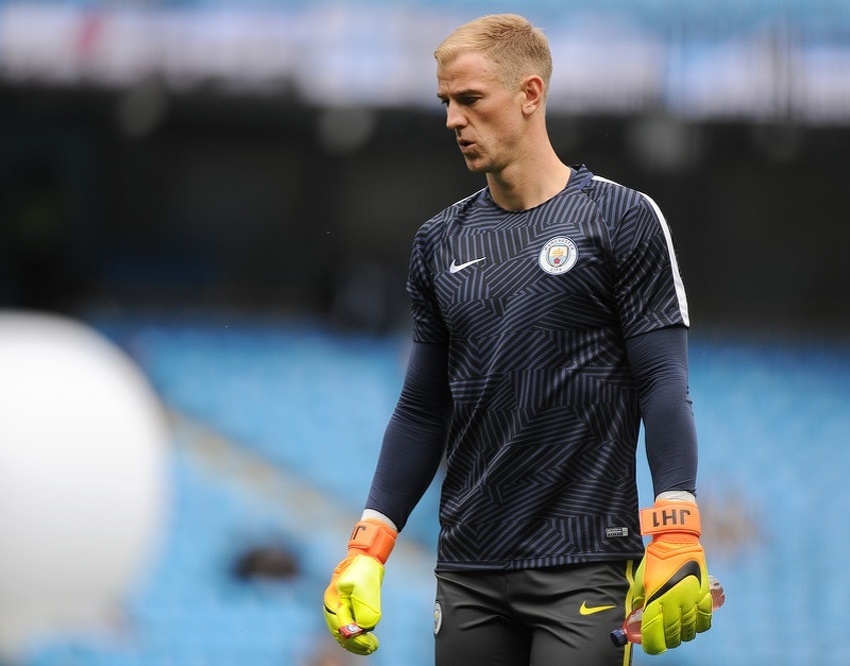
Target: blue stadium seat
773	422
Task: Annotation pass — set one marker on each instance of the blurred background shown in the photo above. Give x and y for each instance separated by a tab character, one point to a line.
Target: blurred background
223	193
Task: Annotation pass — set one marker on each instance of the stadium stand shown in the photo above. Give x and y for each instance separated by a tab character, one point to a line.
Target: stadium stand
270	447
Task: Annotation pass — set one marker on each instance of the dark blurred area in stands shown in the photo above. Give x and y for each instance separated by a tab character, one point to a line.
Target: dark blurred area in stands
143	194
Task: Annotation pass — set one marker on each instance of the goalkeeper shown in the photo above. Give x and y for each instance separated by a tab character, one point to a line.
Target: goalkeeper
549	322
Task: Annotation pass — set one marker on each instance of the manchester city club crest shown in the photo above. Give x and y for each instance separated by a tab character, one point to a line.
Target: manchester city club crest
558	255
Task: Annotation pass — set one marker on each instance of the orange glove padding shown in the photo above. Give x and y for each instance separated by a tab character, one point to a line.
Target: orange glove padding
352	600
671	583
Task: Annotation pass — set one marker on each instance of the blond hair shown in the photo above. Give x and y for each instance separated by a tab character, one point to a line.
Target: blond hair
516	47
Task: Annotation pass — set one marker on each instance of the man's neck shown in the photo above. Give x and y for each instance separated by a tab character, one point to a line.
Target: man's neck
521	187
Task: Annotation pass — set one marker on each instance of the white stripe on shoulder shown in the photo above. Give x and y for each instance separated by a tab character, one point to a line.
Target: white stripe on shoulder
674	263
460	202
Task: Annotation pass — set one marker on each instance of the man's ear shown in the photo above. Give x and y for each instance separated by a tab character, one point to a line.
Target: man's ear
534	90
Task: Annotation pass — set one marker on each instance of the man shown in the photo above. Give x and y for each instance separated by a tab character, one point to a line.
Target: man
549	318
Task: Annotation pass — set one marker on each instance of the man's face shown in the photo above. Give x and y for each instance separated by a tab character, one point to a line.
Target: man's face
485	116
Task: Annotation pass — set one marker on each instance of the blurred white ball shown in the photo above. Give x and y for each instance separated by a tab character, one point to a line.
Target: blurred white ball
83	445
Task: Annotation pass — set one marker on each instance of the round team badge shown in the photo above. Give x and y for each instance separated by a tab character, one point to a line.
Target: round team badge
438	618
558	255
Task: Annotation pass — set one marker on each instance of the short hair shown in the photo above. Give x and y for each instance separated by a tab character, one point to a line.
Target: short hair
516	47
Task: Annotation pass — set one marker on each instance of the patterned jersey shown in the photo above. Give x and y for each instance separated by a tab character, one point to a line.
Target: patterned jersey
535	306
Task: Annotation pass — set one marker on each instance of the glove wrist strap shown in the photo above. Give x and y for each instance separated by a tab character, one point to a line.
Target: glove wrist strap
671	516
373	537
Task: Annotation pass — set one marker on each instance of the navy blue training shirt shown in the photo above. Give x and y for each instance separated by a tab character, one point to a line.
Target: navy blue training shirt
545	333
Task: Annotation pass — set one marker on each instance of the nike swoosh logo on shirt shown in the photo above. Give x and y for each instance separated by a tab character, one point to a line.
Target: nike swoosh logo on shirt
590	610
455	267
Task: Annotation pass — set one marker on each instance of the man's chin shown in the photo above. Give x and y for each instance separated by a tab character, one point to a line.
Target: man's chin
476	166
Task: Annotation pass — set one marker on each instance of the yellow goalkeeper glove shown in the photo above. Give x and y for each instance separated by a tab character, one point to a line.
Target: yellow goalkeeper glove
352	600
671	582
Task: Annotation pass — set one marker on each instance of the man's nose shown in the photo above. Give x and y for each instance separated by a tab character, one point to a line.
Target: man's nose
454	118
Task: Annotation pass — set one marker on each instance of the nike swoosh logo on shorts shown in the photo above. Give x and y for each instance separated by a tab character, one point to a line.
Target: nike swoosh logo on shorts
590	610
455	267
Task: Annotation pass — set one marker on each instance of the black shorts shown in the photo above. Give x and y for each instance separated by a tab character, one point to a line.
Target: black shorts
537	617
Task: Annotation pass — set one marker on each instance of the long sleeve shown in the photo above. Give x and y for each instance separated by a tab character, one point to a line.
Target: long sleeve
415	437
659	363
